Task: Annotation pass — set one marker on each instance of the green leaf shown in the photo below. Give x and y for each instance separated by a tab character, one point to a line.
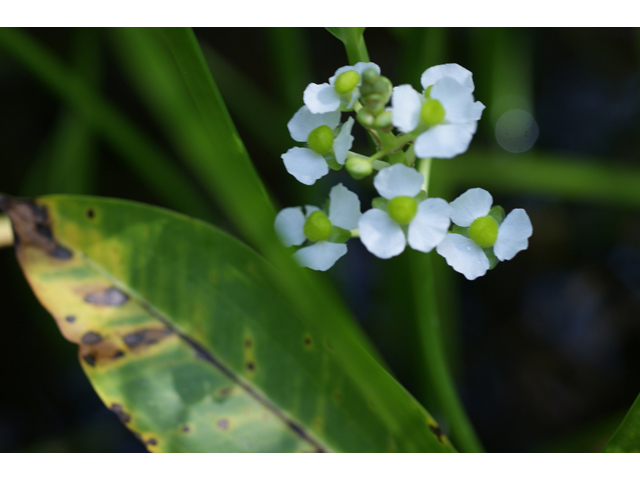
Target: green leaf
627	437
187	336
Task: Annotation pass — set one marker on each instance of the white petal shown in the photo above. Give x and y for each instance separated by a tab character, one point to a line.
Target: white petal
289	226
513	234
309	209
380	234
362	66
476	110
443	141
344	207
464	255
398	180
453	70
406	104
343	142
456	100
430	225
321	98
304	122
320	256
472	204
305	164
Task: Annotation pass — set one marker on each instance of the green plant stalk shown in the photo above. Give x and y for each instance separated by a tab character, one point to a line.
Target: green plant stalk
434	356
149	162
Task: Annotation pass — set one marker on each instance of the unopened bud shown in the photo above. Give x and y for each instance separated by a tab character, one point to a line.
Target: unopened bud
383	120
358	167
366	118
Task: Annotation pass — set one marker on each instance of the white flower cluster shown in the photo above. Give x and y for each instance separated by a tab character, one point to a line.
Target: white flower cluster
437	123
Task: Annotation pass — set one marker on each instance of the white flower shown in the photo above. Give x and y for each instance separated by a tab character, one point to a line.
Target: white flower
445	110
422	224
340	95
318	130
294	228
466	254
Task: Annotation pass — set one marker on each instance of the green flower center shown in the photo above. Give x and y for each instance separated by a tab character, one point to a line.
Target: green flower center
346	82
432	112
321	140
317	227
484	231
402	209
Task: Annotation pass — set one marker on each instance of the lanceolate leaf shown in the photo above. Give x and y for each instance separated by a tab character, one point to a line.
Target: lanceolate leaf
186	337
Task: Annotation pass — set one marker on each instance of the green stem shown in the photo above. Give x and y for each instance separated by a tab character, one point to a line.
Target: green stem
434	357
399	143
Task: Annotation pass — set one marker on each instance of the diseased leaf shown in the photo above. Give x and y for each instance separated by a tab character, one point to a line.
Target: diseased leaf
186	338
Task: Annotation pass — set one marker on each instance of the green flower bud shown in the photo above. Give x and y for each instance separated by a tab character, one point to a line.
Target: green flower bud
365	118
317	227
321	140
370	76
346	82
432	112
383	120
402	209
358	167
484	231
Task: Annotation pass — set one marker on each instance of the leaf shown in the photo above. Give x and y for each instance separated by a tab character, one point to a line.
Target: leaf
186	336
627	437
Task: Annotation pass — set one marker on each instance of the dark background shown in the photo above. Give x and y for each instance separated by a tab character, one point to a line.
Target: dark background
545	347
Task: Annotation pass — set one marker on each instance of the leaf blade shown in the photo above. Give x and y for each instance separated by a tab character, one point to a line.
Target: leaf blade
158	299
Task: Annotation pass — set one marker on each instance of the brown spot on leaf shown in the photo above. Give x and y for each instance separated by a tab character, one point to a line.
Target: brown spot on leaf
90	359
102	350
31	226
145	337
337	396
123	416
251	366
186	429
152	441
223	424
90	213
248	343
91	338
437	431
70	318
111	297
308	342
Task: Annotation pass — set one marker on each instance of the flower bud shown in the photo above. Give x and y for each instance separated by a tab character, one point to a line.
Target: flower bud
358	167
369	76
383	120
366	118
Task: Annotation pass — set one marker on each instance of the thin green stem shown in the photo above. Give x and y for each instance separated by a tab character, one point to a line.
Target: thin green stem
434	356
399	143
